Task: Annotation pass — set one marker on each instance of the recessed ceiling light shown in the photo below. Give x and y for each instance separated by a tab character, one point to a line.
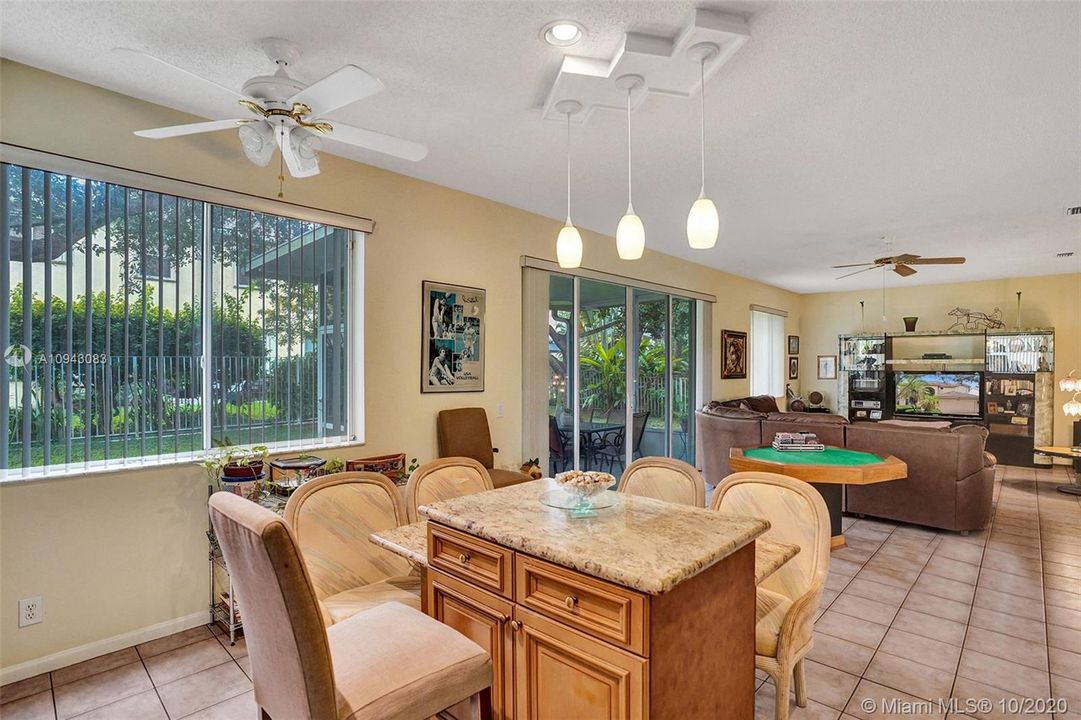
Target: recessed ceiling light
562	33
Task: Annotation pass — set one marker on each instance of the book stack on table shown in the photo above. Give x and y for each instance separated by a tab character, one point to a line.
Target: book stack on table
797	442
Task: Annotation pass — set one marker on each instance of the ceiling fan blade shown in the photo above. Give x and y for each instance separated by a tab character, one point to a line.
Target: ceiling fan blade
345	85
903	270
857	272
281	135
938	261
379	142
191	129
233	94
837	267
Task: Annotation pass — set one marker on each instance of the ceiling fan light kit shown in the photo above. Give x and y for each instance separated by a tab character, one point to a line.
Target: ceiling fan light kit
288	114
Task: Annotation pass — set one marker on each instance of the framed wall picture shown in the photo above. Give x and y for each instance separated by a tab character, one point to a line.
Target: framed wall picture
793	368
452	332
827	367
733	355
793	344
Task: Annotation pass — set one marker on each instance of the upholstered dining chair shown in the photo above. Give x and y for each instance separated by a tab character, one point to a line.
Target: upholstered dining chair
786	601
444	479
388	662
464	432
331	518
665	479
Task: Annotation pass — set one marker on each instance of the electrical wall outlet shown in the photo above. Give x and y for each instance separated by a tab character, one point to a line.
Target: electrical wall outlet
31	611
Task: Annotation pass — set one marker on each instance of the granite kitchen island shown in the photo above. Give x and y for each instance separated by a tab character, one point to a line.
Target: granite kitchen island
645	610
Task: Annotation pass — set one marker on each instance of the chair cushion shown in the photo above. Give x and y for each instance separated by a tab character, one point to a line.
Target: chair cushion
503	478
395	662
344	605
769	609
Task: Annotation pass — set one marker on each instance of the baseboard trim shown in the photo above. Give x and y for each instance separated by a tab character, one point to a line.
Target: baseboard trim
30	668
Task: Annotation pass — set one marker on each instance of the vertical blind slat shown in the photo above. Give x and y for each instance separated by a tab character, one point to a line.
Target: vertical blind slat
5	309
47	325
88	367
28	287
107	414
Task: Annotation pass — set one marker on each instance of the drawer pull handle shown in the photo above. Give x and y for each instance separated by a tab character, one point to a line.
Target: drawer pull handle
571	601
464	558
515	625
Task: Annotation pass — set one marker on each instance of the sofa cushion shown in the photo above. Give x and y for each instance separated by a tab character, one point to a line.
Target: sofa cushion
918	424
971	430
762	403
799	418
720	409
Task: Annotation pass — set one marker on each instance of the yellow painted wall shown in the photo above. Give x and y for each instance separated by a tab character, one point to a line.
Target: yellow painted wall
115	553
1046	301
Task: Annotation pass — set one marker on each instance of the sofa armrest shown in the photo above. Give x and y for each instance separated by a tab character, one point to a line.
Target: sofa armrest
989	459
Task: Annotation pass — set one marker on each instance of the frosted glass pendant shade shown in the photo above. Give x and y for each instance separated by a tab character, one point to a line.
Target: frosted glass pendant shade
703	224
1073	407
630	236
569	247
1070	383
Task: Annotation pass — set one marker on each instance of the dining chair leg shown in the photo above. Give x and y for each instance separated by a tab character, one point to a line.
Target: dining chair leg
480	705
263	715
783	681
799	677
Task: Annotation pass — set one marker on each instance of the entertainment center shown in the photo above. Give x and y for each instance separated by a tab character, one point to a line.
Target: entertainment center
1001	379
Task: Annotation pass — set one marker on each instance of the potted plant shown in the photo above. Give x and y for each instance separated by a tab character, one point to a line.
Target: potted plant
236	470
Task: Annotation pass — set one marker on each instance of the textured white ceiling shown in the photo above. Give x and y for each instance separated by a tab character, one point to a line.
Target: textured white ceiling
951	127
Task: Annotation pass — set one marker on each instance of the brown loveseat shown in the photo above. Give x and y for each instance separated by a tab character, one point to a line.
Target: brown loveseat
950	477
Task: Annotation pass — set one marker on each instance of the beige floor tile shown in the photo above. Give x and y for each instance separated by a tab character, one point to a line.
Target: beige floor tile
888	594
952	569
38	706
1013	584
144	706
1058	615
956	549
1063	598
829	686
94	666
90	693
972	696
236	651
245	665
1003	674
909	676
766	696
203	689
840	654
945	588
24	688
171	642
1069	690
1025	652
1019	627
186	660
846	627
863	608
852	554
926	651
1063	558
930	626
844	567
241	707
1068	571
872	701
1064	637
937	606
897	577
1008	562
1014	605
837	582
1065	663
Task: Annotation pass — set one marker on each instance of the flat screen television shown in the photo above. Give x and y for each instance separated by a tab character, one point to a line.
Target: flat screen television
955	394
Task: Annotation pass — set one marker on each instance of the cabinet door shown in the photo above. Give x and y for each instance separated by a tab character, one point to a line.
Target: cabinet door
561	673
483	618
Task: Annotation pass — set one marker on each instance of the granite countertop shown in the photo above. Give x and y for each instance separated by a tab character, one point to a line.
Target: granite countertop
411	542
640	543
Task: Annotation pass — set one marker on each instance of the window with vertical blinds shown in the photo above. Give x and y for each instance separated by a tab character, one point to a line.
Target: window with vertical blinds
139	325
767	353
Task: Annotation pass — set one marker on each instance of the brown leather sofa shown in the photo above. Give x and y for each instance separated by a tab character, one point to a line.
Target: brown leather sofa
721	427
950	478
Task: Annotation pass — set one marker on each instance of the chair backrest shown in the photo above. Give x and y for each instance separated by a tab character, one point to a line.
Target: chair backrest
638	424
442	480
555	438
332	517
464	433
664	479
287	640
797	515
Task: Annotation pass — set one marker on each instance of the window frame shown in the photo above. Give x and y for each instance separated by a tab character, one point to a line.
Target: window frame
357	227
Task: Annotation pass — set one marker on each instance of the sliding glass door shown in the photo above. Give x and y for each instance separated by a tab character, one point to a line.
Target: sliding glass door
607	406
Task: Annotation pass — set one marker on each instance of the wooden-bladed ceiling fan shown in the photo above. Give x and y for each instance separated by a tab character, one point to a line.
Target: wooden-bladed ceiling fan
900	264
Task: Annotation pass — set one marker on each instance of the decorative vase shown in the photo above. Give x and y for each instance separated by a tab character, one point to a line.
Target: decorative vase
910	324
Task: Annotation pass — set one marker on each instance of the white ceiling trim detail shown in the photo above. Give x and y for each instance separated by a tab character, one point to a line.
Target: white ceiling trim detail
665	63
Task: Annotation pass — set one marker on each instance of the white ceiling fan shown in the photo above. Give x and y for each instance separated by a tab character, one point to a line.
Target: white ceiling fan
289	115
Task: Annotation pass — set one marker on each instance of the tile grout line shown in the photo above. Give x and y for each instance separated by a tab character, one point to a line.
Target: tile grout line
153	684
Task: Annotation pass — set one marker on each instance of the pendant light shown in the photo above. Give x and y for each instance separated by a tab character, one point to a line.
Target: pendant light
569	242
703	223
630	233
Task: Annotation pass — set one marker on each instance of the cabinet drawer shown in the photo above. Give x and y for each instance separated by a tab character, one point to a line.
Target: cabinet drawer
484	564
598	608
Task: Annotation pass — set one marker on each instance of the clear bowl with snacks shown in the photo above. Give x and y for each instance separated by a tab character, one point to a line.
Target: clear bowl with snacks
583	489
